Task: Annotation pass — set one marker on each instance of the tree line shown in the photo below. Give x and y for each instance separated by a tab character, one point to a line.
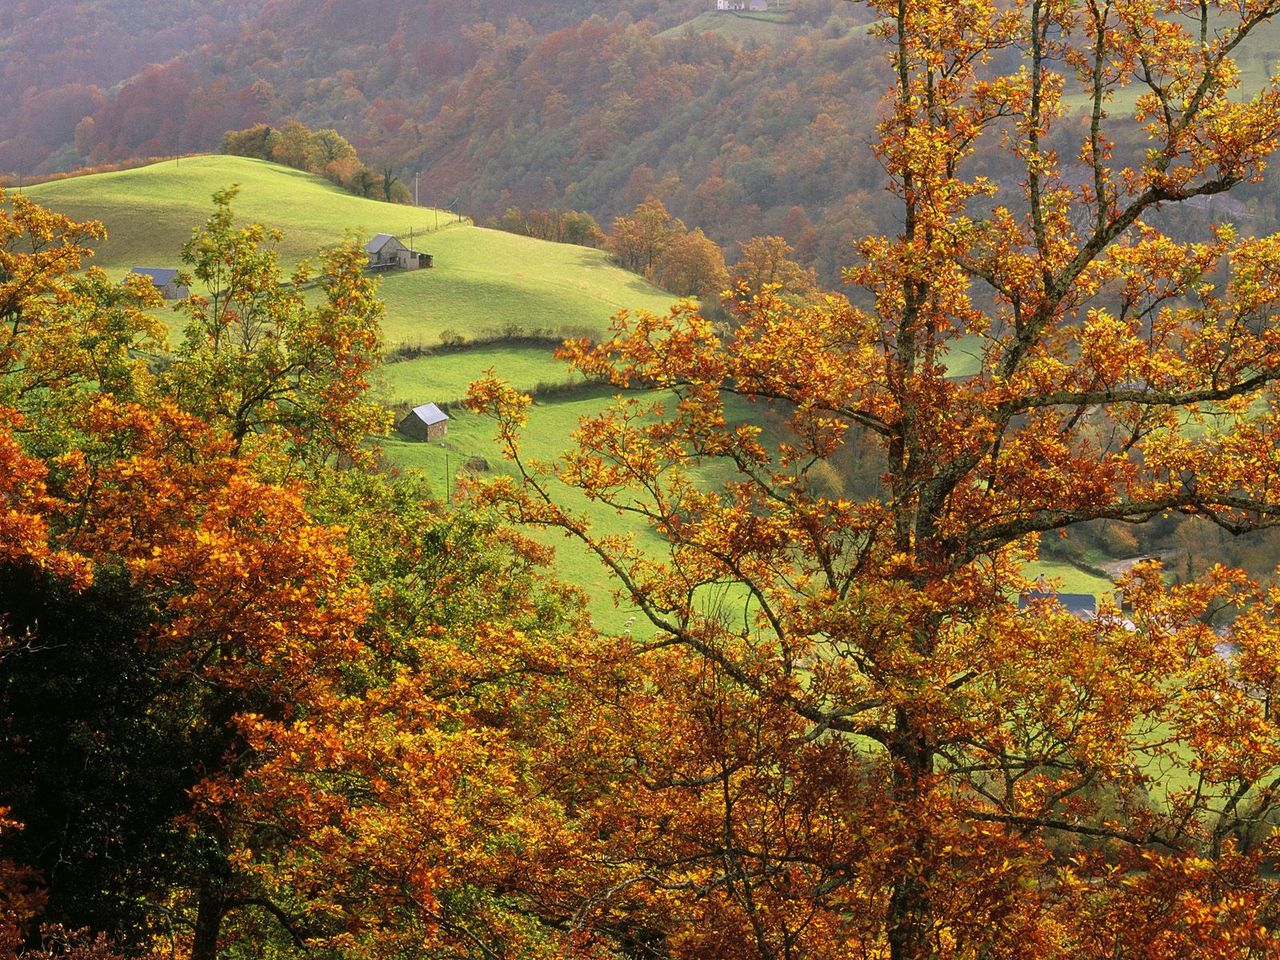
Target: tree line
323	152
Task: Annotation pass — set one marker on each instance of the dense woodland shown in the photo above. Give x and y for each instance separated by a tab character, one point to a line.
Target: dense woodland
261	696
740	127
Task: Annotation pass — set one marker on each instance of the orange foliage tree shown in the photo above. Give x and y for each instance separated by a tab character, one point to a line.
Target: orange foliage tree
237	599
867	749
767	260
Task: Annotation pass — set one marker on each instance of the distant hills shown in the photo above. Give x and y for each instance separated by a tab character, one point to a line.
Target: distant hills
742	124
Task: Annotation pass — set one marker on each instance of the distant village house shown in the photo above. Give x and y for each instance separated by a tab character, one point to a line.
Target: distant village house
427	422
388	253
165	280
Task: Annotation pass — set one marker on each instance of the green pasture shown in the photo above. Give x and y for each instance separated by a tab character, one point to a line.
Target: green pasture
443	377
1065	577
741	25
547	436
483	280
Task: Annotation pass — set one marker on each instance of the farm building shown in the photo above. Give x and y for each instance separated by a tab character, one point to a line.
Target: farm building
388	253
427	422
165	280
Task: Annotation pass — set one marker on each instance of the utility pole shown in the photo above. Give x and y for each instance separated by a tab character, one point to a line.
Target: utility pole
415	189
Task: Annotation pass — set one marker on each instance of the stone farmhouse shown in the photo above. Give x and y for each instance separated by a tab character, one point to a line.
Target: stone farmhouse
386	252
427	422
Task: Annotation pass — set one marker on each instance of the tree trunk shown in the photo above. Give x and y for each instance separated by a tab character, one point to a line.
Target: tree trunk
908	920
210	910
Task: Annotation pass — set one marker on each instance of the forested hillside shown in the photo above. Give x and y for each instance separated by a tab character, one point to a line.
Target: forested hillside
60	61
742	124
737	124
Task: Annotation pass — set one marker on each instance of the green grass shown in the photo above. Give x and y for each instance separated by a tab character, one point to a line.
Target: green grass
1065	577
483	281
964	356
743	26
442	378
487	281
548	434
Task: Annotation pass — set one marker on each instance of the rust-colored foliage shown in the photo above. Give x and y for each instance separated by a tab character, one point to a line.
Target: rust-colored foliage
852	742
249	603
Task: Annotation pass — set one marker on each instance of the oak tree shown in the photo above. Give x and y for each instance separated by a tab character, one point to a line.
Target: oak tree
763	261
870	749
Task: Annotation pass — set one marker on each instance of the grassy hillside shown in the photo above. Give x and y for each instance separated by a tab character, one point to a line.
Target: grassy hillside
740	25
484	280
443	378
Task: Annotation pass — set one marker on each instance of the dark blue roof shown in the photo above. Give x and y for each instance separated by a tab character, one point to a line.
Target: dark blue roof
1080	604
159	275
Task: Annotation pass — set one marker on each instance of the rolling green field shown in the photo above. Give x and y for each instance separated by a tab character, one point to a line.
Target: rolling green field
483	280
549	433
765	27
443	378
550	428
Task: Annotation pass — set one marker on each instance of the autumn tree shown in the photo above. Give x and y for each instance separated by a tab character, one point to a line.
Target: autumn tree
260	361
870	750
692	266
763	261
639	239
153	585
423	801
254	141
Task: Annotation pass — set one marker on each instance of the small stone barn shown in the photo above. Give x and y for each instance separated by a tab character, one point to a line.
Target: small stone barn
427	422
165	280
386	252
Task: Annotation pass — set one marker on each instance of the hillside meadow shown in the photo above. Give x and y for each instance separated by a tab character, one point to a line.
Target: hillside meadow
485	283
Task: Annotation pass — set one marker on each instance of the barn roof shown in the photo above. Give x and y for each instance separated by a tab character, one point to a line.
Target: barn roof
159	275
378	242
430	414
1079	604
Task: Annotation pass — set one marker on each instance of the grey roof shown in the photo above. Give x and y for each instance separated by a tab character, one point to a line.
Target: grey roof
378	242
159	275
430	414
1080	604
